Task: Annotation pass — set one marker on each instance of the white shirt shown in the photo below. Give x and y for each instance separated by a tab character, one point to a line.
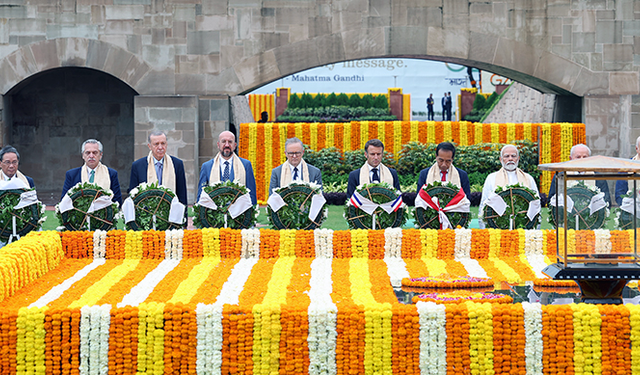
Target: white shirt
223	166
299	177
371	173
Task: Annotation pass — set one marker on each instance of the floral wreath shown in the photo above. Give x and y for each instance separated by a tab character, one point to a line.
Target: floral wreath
447	281
517	198
429	218
295	214
378	193
149	200
623	219
27	218
224	194
82	195
461	296
581	195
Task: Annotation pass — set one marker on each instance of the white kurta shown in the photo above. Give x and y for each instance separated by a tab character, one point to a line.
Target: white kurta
490	186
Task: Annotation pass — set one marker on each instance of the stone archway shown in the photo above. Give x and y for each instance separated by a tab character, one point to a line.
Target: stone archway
50	114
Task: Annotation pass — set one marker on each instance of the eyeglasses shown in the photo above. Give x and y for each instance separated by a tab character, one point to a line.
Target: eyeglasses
7	162
297	153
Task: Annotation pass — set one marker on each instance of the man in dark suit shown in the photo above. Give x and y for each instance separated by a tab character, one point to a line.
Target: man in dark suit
373	170
444	107
93	171
9	160
227	166
159	167
443	170
581	151
295	168
449	105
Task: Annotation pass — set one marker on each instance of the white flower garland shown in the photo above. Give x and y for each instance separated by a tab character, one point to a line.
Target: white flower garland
462	247
322	315
323	240
140	292
173	243
533	242
473	267
533	337
433	338
603	241
99	244
234	285
94	339
537	263
250	243
397	270
209	336
393	242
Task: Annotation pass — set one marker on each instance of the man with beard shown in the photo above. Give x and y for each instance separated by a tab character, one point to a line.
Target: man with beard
227	166
93	171
295	168
166	170
508	175
9	160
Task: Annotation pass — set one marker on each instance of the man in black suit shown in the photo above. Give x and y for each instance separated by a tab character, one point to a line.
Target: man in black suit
159	167
373	170
443	170
9	160
93	171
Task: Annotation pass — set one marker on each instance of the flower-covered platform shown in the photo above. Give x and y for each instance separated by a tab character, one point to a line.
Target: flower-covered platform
292	302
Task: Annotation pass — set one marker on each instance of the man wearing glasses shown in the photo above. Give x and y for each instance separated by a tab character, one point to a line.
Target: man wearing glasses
9	160
295	169
227	166
93	171
444	171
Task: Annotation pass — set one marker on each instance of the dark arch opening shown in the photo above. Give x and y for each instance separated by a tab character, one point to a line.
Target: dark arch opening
48	116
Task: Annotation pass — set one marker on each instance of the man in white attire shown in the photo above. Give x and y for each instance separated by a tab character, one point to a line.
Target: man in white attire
509	174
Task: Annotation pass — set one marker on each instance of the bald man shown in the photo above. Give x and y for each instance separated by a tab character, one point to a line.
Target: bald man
581	151
227	166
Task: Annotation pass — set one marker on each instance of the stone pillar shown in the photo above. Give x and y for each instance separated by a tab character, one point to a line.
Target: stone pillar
282	100
395	102
177	116
466	103
608	125
214	119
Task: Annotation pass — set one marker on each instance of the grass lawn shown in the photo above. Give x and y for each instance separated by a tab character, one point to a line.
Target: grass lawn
334	220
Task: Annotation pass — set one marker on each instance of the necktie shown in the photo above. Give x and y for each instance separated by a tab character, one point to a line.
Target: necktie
91	177
159	172
295	173
444	175
375	177
225	174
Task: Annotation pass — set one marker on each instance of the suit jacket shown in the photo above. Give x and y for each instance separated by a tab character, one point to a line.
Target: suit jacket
74	176
354	181
601	184
139	175
314	176
464	180
205	172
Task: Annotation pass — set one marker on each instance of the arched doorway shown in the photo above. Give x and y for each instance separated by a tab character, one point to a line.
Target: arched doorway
49	115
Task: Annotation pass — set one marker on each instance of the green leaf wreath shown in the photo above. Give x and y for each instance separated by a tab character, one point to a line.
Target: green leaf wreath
624	219
223	195
27	218
379	193
295	215
581	195
82	195
149	200
429	218
517	198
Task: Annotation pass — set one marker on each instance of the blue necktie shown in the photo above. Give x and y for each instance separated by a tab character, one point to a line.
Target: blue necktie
295	173
225	174
159	172
375	177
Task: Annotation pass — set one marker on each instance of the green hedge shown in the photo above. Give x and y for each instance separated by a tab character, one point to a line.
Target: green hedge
477	160
328	100
336	114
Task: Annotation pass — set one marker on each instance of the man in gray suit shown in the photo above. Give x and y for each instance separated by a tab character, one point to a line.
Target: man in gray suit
295	168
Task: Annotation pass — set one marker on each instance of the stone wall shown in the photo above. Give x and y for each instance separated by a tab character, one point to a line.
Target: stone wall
522	104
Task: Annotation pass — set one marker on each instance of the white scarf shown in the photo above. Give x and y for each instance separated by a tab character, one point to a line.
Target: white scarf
502	178
434	175
285	175
168	172
238	170
385	174
19	175
101	177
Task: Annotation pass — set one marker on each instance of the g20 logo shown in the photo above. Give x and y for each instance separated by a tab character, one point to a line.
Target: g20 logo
499	80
